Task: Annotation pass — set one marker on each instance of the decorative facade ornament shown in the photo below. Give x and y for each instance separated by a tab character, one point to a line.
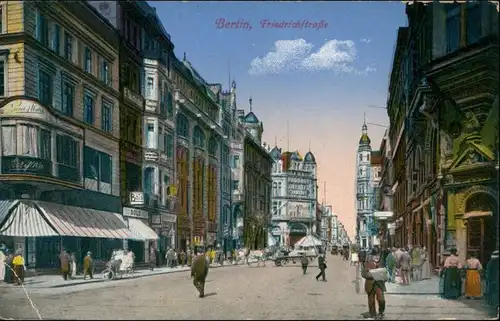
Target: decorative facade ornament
473	191
471	124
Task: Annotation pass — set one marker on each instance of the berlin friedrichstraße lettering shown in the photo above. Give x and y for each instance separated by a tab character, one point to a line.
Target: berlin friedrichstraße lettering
249	160
222	23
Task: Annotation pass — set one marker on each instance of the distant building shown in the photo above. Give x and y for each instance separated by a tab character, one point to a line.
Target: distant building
294	195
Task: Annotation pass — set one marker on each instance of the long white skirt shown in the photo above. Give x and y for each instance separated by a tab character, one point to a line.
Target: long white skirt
73	269
2	270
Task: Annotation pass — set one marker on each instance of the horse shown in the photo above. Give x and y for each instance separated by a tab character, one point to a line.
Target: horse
247	254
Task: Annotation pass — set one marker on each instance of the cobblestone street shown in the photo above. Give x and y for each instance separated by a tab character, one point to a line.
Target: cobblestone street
238	292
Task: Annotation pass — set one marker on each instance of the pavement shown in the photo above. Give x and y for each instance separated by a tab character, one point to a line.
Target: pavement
239	292
423	287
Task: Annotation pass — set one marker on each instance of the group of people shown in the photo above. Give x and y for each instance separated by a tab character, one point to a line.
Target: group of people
410	263
12	266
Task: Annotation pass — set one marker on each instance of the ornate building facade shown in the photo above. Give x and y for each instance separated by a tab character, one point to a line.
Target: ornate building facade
59	114
197	154
294	195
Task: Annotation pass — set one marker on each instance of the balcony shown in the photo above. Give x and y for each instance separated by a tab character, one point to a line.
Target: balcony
133	98
179	98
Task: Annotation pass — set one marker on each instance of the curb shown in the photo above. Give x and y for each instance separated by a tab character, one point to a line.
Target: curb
131	277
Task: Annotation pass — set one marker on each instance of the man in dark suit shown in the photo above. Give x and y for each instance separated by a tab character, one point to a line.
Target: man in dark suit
199	271
322	268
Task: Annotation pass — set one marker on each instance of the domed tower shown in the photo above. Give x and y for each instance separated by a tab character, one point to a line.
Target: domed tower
363	199
252	124
310	163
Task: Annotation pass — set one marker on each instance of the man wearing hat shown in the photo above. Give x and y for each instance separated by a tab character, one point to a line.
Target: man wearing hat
88	266
373	288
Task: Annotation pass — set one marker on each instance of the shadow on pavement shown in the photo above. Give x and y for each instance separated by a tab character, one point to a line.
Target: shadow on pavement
210	294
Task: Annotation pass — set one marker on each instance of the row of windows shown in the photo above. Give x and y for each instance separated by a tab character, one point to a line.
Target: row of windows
46	97
159	138
62	42
205	106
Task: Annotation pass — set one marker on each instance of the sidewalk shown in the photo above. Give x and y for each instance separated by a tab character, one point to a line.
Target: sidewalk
56	281
424	287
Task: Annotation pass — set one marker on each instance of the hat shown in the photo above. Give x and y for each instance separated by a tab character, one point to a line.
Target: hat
19	251
89	253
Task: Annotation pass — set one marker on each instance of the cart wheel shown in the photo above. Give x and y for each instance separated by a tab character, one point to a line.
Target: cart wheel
277	262
293	261
108	275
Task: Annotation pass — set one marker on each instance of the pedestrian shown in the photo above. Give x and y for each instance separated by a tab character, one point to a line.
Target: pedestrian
452	281
169	257
416	264
64	259
88	266
9	275
152	259
19	267
72	261
374	286
199	271
182	258
405	266
426	265
473	277
390	265
3	258
322	268
305	262
491	292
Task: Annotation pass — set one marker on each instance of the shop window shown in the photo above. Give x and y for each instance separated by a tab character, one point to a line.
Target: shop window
67	158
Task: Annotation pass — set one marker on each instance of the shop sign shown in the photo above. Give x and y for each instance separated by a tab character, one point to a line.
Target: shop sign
151	156
155	219
26	165
26	108
135	213
168	218
136	198
298	229
276	230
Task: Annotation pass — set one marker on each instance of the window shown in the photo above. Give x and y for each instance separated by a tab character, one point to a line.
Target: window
452	27
474	22
45	87
106	117
275	208
212	146
182	126
1	19
163	98
236	184
67	158
148	180
88	108
3	74
68	46
236	161
150	87
97	165
33	142
56	38
169	145
279	188
88	60
105	72
170	105
198	137
68	98
42	29
150	135
275	189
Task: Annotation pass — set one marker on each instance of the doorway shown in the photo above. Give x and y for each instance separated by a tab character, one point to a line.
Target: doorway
481	231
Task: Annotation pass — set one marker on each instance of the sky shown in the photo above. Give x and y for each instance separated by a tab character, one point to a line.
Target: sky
316	66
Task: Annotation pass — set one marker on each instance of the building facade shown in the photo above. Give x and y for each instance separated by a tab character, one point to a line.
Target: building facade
198	137
294	196
364	210
60	132
375	177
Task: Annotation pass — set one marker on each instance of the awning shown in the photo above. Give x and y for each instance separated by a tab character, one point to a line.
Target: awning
5	207
26	221
84	222
140	230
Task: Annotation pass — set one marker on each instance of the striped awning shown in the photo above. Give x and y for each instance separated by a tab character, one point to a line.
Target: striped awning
84	222
5	207
140	230
26	221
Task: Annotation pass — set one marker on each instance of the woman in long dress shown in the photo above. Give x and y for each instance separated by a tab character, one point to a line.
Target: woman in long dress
426	265
452	282
473	277
3	258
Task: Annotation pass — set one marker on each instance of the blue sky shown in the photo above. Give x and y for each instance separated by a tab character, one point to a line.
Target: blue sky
322	92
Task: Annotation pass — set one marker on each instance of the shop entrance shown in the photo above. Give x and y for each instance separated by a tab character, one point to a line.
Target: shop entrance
481	232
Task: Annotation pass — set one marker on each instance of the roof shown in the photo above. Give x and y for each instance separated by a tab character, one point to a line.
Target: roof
275	152
376	158
296	156
309	158
251	118
364	140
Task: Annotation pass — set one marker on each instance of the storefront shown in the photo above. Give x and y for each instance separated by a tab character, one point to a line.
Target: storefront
144	237
167	230
276	234
297	231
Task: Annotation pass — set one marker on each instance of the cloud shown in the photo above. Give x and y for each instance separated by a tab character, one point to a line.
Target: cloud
298	55
365	40
285	54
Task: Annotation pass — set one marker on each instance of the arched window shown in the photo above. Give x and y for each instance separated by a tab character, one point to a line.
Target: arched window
148	180
198	137
182	126
212	146
170	105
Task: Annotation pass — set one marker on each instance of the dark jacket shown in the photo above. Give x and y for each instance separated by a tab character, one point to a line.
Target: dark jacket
199	268
304	260
321	262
